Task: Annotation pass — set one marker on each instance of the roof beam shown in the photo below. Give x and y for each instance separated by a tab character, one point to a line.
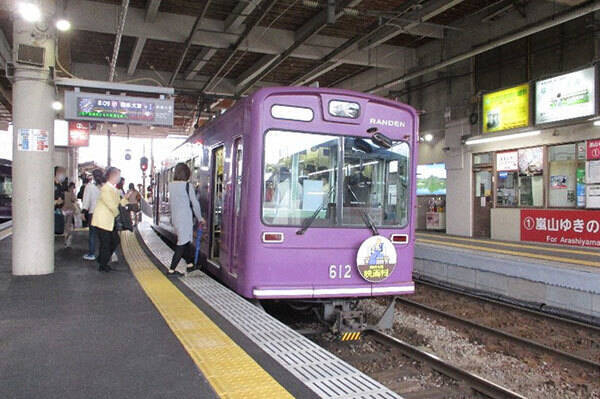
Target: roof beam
199	62
140	42
98	17
303	34
256	69
152	7
374	37
5	49
239	14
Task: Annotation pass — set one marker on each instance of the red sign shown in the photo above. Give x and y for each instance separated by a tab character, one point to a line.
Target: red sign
593	150
561	227
79	134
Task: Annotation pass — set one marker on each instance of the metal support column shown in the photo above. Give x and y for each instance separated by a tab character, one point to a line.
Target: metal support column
33	148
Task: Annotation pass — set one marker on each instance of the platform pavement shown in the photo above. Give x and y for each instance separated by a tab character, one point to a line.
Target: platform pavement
79	333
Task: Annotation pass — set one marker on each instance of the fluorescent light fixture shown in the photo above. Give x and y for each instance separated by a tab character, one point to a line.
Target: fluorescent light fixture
428	137
57	105
596	123
30	12
177	136
502	138
63	25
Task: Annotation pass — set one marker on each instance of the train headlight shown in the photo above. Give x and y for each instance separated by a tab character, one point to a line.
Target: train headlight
344	109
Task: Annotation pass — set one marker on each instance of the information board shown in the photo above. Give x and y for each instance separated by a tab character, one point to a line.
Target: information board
562	227
506	109
568	96
123	109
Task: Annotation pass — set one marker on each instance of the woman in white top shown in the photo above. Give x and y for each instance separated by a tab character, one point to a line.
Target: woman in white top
184	206
90	197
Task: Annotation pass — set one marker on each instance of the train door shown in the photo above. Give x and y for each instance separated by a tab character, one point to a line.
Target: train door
237	192
482	200
216	219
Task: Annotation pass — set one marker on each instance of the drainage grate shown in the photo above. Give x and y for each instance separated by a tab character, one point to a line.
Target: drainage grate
327	375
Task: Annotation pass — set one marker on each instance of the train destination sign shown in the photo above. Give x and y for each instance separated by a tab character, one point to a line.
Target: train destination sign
376	259
123	109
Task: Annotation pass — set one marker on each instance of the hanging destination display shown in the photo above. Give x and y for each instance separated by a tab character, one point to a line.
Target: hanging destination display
563	97
506	109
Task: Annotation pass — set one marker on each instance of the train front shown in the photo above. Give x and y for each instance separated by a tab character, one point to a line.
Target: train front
337	198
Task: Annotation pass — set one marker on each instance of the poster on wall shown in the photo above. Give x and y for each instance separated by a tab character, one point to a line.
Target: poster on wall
506	109
565	97
507	161
431	179
32	140
559	182
79	134
593	150
561	227
531	161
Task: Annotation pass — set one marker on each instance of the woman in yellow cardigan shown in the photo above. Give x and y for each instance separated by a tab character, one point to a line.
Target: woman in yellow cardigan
107	209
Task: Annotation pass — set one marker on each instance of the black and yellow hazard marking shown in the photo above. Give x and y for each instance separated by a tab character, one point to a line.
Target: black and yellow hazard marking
350	336
228	368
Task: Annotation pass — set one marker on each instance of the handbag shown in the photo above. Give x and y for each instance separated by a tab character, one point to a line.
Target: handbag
123	220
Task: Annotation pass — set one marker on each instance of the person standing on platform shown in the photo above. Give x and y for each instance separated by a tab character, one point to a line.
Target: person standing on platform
59	199
69	210
133	198
107	209
184	206
90	198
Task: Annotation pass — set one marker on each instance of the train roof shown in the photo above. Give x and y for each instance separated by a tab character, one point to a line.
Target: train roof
265	92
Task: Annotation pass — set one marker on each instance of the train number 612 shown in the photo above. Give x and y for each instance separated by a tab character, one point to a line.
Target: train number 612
340	271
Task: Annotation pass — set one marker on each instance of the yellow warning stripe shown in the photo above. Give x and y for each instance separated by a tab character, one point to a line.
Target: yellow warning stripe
228	368
350	336
444	239
514	253
5	233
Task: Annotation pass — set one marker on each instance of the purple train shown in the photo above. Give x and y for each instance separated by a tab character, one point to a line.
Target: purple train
309	196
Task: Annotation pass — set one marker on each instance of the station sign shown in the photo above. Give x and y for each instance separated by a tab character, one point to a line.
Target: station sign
506	109
80	106
568	96
561	227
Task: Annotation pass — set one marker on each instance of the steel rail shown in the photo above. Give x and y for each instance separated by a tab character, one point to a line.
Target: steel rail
475	382
504	335
524	309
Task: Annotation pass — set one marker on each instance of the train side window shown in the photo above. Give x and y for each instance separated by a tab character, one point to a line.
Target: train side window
239	159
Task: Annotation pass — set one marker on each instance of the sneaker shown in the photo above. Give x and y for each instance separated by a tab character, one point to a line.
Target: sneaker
114	258
174	273
89	257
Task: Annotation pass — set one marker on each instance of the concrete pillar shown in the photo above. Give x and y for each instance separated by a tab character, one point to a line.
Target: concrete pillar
33	172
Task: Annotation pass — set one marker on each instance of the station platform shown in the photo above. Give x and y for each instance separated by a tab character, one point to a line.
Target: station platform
136	333
558	279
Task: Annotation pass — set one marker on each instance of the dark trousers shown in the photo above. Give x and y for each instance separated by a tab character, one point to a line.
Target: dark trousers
182	251
109	241
91	237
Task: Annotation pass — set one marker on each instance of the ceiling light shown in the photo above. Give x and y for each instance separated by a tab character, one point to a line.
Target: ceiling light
30	12
63	25
428	137
57	105
502	138
596	123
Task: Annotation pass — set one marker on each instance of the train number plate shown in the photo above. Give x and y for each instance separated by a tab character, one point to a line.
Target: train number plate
340	271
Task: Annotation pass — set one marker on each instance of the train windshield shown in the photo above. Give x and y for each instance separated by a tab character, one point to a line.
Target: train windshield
340	177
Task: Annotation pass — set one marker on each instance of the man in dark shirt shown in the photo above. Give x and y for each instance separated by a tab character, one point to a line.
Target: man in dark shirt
60	177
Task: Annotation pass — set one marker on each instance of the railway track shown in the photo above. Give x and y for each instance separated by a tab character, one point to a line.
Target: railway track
476	383
588	362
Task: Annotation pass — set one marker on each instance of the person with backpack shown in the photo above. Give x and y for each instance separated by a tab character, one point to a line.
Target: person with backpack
184	207
107	209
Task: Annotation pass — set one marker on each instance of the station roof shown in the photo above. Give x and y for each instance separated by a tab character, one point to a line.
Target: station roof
240	45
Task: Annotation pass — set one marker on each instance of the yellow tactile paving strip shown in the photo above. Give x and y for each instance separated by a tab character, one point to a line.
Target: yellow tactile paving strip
552	258
228	368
